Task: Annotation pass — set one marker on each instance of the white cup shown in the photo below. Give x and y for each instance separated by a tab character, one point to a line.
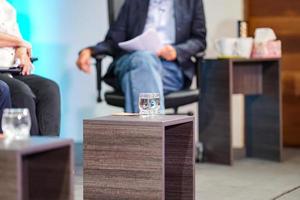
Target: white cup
244	47
226	47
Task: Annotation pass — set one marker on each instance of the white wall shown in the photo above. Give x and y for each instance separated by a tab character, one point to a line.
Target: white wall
222	17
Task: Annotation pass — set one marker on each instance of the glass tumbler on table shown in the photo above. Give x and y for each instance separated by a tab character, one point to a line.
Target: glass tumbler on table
16	123
149	103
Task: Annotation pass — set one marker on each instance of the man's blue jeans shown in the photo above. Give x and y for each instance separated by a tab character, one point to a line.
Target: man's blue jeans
143	72
5	101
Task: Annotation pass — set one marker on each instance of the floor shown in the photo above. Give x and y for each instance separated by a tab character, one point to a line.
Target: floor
247	179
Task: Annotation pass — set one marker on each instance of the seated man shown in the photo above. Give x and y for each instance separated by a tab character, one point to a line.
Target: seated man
41	96
4	99
181	26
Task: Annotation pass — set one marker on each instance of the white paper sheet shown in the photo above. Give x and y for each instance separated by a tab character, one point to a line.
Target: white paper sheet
148	41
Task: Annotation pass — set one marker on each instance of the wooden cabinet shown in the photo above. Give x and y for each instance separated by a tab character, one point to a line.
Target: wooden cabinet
259	81
139	158
38	168
284	17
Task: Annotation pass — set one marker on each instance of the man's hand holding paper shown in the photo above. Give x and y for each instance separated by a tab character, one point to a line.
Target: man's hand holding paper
168	52
150	41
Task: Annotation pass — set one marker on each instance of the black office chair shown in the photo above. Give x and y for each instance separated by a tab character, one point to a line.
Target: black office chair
173	100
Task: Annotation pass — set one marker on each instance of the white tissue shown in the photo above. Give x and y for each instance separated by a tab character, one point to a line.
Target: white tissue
263	35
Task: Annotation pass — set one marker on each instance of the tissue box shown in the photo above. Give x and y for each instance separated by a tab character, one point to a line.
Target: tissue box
271	49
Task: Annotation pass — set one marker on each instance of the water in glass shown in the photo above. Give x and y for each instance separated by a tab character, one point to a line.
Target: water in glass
149	103
16	123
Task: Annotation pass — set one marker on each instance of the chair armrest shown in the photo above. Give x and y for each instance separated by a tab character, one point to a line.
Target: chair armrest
99	75
99	57
199	58
15	69
33	59
11	70
200	54
101	50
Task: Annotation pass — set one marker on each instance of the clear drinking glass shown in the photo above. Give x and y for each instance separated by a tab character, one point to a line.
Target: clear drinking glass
149	103
16	123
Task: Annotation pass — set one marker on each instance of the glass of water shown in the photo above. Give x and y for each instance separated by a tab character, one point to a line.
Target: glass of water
149	103
16	123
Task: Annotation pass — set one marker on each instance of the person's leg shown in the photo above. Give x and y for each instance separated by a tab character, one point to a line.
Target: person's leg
173	78
47	103
139	72
5	101
22	97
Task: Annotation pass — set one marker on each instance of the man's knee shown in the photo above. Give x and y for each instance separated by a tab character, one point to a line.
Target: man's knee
4	90
143	59
50	89
23	97
20	92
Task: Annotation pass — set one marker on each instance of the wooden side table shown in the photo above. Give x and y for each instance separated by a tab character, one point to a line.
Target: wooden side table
134	157
38	168
259	81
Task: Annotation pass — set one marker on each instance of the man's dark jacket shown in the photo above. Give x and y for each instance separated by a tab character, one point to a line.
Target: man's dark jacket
190	31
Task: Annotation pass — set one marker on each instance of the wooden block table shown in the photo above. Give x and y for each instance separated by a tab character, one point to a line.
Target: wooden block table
36	169
259	81
139	158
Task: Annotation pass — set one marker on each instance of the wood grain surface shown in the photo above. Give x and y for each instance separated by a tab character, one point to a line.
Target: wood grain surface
215	116
132	158
263	122
283	16
37	168
263	117
179	162
9	179
46	175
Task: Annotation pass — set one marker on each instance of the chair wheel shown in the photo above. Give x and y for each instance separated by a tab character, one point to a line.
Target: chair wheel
190	113
199	152
99	99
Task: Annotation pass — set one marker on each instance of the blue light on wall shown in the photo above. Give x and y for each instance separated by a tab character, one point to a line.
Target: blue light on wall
23	16
39	23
